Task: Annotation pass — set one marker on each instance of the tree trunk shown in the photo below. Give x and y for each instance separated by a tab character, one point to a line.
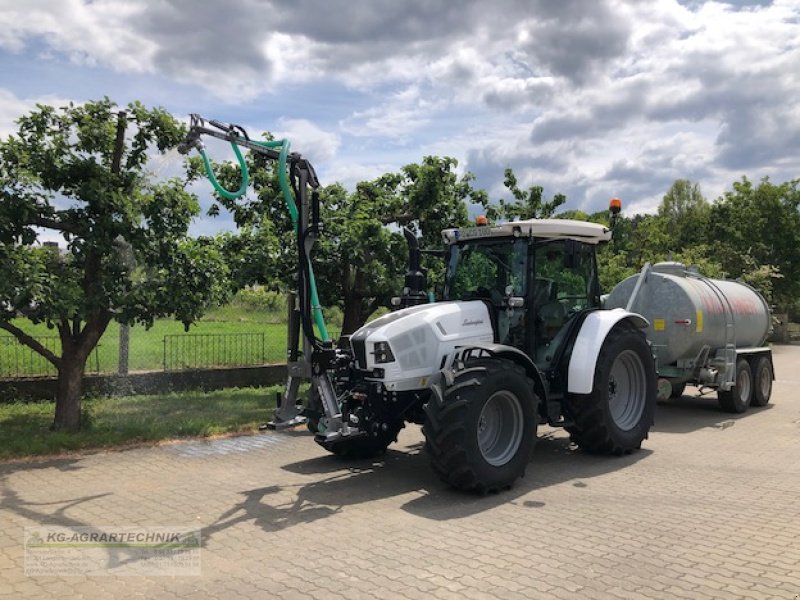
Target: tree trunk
352	314
70	390
76	347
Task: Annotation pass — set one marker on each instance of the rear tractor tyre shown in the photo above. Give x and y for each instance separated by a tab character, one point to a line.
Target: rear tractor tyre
616	417
762	382
481	429
737	399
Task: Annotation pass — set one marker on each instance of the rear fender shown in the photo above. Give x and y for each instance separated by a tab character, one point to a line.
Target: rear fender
593	333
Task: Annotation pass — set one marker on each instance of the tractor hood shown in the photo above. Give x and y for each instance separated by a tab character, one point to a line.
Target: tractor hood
421	340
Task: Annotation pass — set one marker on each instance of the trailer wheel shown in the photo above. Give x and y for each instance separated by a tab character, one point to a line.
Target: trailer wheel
616	417
737	399
762	382
480	430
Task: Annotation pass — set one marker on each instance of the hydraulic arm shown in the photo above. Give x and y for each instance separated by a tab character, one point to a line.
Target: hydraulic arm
296	176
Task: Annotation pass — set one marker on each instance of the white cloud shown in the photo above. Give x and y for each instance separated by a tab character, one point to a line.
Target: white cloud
86	33
591	99
12	108
397	117
307	138
349	172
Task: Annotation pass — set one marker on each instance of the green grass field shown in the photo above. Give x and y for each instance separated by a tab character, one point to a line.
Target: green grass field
223	343
108	422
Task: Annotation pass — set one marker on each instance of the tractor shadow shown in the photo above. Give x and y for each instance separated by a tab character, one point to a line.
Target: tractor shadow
404	471
692	412
555	461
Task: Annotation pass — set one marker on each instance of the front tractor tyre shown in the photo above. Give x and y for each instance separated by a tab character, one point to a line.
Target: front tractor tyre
617	415
480	429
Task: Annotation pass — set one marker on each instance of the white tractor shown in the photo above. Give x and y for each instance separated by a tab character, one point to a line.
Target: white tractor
519	339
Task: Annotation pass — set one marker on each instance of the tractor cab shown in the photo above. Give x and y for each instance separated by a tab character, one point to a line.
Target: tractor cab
536	278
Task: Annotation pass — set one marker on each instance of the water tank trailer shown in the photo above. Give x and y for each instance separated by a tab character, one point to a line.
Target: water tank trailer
704	332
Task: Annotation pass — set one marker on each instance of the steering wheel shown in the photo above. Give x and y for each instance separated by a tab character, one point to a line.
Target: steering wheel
571	310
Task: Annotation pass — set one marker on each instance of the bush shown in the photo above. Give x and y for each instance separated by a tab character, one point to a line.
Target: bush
334	317
260	298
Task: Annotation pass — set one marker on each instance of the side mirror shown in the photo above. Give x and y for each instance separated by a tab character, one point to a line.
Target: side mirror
513	301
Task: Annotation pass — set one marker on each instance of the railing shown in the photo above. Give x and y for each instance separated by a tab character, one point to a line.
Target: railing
19	360
179	352
207	350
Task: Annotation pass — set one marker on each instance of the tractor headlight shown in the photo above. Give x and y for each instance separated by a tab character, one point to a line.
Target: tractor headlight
383	353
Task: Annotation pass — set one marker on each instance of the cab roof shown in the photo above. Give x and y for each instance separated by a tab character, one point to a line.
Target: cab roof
591	233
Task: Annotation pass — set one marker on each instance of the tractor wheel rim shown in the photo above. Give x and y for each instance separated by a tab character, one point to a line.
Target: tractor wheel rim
500	428
627	390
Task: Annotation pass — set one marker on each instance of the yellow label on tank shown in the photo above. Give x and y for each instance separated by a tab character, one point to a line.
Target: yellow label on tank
658	324
699	321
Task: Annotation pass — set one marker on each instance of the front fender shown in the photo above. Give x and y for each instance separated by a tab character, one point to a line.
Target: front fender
593	333
519	357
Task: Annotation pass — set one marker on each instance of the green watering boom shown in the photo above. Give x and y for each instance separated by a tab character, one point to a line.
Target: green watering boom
275	150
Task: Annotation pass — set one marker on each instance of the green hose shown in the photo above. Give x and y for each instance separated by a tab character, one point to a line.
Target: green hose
213	179
283	180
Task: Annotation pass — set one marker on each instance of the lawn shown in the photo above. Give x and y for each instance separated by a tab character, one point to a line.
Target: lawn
108	422
230	335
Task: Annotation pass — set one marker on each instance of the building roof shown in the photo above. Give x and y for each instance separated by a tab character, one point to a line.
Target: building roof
591	233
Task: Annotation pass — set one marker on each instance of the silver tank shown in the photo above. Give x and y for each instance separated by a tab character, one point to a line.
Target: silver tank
687	311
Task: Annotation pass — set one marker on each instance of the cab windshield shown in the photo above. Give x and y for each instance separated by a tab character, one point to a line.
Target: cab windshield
491	269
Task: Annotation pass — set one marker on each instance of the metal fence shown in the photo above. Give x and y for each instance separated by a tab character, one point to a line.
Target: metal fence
207	350
19	360
179	352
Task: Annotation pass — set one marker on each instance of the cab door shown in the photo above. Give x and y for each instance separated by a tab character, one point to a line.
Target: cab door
564	285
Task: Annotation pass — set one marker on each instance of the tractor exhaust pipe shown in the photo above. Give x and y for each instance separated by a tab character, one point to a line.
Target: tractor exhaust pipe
416	281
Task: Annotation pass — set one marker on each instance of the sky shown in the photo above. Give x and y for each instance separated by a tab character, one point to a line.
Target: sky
589	98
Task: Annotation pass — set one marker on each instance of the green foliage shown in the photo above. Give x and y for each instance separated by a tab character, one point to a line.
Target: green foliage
128	252
612	268
527	204
260	298
756	227
751	232
683	214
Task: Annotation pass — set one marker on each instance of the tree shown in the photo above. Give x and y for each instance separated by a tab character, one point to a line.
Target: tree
80	171
753	227
683	215
527	204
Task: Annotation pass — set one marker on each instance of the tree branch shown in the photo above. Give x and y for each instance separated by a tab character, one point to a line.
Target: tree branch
32	343
65	335
55	224
401	219
92	331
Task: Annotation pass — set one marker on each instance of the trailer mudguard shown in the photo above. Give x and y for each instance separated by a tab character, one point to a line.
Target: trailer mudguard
593	333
